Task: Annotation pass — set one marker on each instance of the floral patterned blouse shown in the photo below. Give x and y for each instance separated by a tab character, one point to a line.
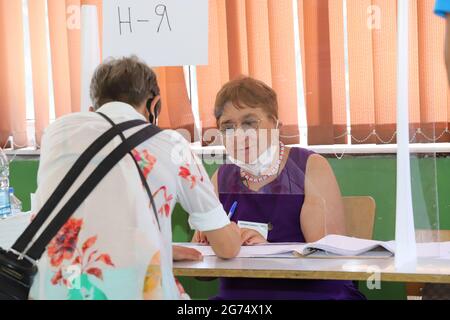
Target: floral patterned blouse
112	247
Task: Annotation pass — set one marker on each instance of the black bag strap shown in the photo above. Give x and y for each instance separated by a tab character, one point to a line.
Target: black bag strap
67	182
141	174
38	247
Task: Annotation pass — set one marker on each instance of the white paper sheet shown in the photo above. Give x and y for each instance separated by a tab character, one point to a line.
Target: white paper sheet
334	245
161	32
283	250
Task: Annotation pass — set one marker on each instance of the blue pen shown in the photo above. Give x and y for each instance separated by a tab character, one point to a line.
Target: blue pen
232	210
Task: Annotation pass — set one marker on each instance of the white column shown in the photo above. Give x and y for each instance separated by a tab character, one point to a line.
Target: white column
90	51
405	255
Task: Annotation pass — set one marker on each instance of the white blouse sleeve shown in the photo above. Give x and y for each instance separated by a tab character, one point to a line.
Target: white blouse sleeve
195	192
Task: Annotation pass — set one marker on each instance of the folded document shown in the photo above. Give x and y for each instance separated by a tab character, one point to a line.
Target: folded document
331	246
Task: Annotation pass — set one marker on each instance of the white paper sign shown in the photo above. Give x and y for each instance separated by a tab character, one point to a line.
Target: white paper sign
161	32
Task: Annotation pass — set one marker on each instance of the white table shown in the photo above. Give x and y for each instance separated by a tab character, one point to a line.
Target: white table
430	270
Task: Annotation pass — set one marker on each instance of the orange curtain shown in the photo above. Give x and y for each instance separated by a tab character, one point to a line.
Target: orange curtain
238	51
12	78
261	44
322	43
414	88
60	57
177	110
385	69
39	56
372	70
337	65
428	89
361	70
211	77
284	78
259	53
65	40
432	75
254	38
73	24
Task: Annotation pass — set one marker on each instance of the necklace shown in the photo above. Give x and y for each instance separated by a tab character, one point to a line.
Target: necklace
273	170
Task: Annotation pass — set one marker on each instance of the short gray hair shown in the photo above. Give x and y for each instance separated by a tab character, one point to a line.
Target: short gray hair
127	80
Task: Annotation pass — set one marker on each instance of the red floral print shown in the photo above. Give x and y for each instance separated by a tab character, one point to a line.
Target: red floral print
63	246
165	208
145	160
186	174
57	277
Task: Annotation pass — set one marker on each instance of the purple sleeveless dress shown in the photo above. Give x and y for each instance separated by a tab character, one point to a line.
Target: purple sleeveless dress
277	204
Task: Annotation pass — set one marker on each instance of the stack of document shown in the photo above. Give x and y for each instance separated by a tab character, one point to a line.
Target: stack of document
12	227
331	246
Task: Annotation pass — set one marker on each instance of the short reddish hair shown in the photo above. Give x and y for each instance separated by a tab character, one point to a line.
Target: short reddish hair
247	92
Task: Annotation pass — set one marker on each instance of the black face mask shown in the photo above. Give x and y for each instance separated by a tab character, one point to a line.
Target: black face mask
153	116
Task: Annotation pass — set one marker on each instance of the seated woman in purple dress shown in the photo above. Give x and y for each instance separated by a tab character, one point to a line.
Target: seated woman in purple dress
290	193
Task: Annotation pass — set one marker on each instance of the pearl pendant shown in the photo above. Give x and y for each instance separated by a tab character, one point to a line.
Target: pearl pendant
273	171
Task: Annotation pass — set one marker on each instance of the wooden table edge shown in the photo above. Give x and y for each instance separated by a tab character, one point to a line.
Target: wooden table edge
311	275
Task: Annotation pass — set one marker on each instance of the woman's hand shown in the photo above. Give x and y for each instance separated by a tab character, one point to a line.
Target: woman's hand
225	241
186	254
250	237
199	237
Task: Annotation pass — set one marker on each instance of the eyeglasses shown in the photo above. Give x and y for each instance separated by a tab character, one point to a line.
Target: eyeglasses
230	128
